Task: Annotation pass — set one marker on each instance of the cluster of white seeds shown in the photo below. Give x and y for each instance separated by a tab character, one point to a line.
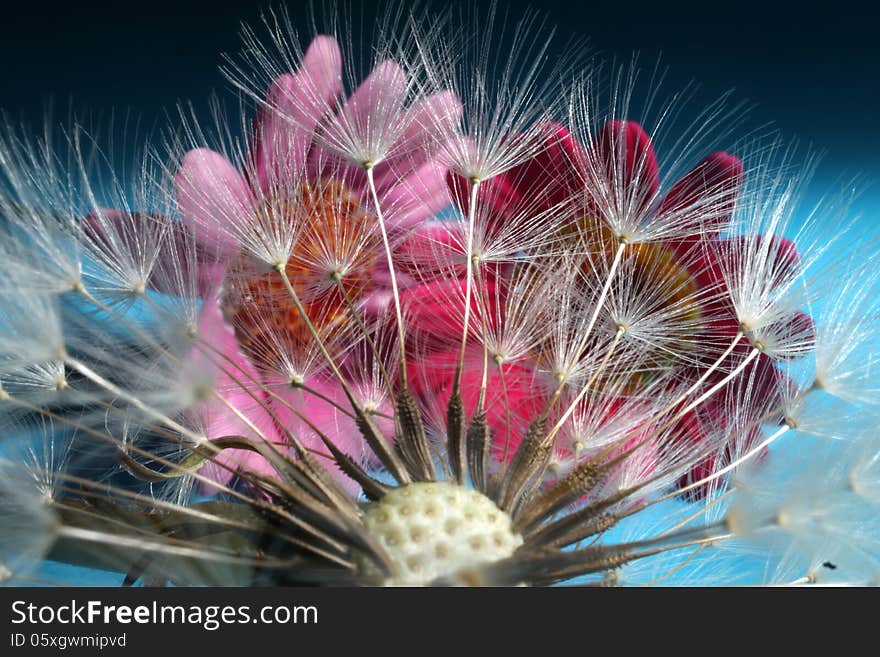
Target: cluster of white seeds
437	529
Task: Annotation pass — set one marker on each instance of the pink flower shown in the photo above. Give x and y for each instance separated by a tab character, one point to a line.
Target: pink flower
292	154
217	420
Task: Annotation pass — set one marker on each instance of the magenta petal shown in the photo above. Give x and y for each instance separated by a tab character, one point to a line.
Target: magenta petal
625	151
708	192
553	175
431	379
435	310
504	194
429	253
429	123
211	196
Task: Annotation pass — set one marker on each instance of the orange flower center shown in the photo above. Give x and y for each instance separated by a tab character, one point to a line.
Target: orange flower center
652	271
330	267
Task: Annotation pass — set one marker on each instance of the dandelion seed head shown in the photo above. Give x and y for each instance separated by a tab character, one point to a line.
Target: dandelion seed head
439	314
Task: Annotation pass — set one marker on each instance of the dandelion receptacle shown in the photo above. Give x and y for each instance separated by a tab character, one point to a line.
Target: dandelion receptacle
443	315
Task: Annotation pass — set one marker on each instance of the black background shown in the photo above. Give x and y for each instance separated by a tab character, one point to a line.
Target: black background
812	69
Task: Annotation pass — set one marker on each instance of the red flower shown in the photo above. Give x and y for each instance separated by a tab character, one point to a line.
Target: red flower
620	162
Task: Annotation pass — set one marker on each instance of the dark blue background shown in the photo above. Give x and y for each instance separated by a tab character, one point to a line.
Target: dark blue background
812	72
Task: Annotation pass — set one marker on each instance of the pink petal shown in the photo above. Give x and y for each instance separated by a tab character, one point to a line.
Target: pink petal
296	103
417	198
181	258
432	377
220	420
212	197
367	113
321	71
321	416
